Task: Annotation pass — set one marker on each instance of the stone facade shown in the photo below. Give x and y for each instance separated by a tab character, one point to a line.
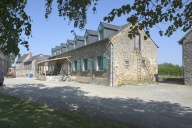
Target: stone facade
136	70
20	64
88	51
123	63
186	42
28	64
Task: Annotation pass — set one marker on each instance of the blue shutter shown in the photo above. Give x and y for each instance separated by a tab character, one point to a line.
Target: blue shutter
78	65
95	63
73	66
88	64
105	62
82	64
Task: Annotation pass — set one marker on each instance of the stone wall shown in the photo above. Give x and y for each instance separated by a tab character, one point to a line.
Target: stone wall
24	73
187	59
124	51
90	51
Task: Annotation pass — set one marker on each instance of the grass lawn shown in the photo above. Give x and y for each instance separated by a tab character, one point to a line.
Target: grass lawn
17	113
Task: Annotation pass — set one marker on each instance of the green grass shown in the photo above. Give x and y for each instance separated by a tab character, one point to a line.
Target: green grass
164	77
17	113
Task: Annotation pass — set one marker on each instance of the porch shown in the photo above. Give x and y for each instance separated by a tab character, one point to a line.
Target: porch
57	69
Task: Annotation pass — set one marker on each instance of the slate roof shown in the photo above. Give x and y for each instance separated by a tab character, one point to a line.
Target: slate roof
42	58
63	45
36	57
110	26
181	40
53	49
57	47
70	42
92	32
19	60
32	58
80	37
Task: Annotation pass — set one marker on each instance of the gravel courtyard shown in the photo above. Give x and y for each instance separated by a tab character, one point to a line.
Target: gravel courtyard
138	106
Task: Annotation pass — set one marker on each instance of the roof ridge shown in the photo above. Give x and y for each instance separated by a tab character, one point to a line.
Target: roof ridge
110	24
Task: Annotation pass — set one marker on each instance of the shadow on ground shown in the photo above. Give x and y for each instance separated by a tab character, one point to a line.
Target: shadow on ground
128	112
179	81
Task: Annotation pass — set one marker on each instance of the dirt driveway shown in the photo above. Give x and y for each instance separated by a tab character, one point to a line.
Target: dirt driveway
146	106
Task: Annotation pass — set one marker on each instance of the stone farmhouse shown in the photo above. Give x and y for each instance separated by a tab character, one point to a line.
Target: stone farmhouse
26	64
186	43
106	56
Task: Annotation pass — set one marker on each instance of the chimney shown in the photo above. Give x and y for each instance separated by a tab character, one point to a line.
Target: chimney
30	54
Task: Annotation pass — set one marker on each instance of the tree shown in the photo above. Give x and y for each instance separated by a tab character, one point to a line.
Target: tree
12	58
170	69
14	22
144	14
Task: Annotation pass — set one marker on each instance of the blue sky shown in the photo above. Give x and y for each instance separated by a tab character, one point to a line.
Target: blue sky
46	34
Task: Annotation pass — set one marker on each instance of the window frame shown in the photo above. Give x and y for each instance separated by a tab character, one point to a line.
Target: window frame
75	65
99	63
137	43
85	64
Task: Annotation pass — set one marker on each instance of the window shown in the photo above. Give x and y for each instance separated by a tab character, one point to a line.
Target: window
143	62
67	47
86	40
75	43
58	51
53	53
137	43
100	34
98	63
75	65
101	63
126	61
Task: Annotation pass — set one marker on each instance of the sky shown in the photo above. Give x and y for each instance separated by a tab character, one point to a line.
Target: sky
47	34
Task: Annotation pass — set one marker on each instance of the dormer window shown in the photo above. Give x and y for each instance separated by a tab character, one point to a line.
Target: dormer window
86	40
53	53
67	47
100	32
75	43
58	51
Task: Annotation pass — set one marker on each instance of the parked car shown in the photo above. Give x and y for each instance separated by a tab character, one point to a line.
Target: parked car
11	73
1	77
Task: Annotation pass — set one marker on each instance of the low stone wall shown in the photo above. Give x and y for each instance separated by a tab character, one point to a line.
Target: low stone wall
20	73
43	78
96	80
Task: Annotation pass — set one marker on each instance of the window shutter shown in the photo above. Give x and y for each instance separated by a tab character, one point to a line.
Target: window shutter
78	65
95	63
88	64
105	62
82	65
73	66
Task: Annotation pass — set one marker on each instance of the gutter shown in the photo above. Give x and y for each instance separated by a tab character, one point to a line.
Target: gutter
112	64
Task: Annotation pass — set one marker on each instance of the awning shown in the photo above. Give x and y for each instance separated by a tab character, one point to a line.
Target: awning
55	59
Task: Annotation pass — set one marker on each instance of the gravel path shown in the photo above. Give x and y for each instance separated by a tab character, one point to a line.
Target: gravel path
145	106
